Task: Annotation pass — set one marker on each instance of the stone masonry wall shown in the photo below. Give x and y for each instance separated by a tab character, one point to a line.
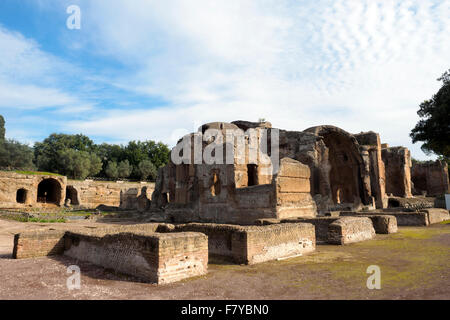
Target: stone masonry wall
11	182
350	229
293	190
126	195
255	244
156	258
432	178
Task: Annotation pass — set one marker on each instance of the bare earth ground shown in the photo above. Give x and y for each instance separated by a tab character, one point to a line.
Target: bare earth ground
414	264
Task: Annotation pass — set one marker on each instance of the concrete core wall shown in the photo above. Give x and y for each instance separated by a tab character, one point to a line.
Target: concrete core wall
431	178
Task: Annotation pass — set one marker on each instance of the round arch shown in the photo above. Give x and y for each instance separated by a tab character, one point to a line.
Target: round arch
72	194
49	191
345	164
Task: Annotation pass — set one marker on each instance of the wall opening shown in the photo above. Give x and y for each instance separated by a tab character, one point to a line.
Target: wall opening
21	196
393	203
72	195
216	186
252	174
344	175
49	191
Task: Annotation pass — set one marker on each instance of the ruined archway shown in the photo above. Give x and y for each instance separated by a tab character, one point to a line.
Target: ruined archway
341	165
49	191
72	195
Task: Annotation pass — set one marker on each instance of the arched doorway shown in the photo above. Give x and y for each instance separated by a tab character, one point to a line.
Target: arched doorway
21	196
72	194
342	166
49	191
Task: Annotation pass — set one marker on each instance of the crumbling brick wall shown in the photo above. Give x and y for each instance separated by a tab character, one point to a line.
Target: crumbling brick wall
126	195
21	190
431	178
397	161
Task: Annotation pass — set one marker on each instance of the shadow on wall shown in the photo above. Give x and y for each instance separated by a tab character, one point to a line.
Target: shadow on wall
49	191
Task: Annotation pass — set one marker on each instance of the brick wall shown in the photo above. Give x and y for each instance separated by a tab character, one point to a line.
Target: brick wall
38	244
255	244
156	258
126	195
350	229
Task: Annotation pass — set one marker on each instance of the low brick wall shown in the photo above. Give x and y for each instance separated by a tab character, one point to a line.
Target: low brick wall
404	219
436	215
220	236
260	244
38	243
321	225
157	258
383	224
256	244
137	250
350	229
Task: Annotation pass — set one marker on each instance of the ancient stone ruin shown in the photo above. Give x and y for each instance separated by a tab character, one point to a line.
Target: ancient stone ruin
259	194
322	169
21	191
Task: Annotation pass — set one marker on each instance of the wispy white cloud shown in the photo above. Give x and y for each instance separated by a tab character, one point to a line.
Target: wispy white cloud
30	78
358	64
361	65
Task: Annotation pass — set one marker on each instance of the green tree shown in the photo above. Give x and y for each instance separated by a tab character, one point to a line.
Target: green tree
47	152
78	164
96	165
159	154
147	170
124	169
434	126
111	170
2	128
15	155
137	151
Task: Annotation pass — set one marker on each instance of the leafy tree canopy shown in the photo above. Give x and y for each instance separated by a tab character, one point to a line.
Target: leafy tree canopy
147	169
48	151
15	155
434	126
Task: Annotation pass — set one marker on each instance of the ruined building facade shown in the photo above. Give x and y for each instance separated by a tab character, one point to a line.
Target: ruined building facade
430	178
320	169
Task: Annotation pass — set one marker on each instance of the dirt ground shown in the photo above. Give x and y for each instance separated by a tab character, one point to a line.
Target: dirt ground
414	264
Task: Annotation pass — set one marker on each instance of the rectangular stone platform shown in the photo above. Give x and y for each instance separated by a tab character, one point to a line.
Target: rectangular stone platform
39	243
350	229
423	218
256	244
157	258
383	224
322	228
135	250
436	215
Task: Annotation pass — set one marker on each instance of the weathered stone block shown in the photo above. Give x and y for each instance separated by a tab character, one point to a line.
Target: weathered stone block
384	224
271	242
350	229
38	243
437	215
255	244
156	258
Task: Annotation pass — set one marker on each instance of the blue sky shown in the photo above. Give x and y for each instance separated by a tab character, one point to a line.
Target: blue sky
148	69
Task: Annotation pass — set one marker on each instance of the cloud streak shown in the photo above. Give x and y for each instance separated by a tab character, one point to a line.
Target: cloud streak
361	65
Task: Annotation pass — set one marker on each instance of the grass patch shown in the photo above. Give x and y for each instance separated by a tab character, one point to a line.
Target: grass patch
21	218
39	173
59	220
